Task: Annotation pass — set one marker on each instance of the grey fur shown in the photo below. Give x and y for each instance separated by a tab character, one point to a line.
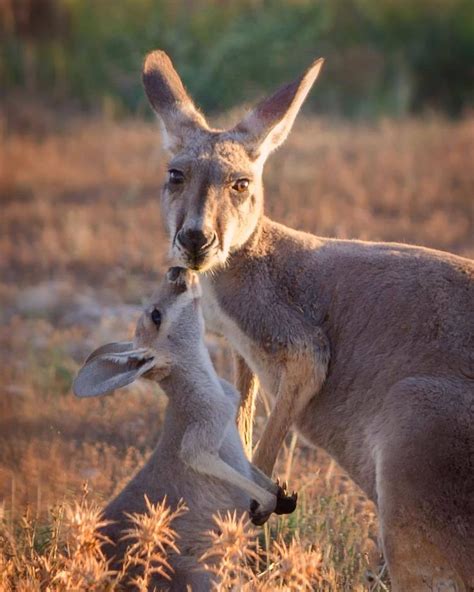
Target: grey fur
367	347
199	457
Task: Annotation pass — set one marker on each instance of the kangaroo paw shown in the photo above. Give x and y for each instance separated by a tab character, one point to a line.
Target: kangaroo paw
286	504
257	515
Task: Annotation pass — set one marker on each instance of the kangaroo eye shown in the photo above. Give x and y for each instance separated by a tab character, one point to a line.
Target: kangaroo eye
241	185
175	177
156	317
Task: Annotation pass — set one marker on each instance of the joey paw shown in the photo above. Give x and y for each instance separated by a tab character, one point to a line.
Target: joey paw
286	504
257	515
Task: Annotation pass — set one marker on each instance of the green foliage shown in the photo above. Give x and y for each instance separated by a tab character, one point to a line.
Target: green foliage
383	56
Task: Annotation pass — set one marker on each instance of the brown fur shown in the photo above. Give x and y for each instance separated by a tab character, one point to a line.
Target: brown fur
368	347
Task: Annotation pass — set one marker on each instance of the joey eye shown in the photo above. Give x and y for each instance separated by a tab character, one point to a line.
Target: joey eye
175	177
241	185
156	317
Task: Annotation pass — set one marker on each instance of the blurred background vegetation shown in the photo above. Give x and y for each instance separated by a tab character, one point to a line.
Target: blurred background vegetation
393	57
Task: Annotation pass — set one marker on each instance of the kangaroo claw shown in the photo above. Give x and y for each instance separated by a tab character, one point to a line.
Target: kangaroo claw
286	504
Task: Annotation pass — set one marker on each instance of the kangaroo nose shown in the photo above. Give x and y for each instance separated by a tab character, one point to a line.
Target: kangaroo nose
195	241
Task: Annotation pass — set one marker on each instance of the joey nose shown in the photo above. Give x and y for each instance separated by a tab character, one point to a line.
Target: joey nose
195	241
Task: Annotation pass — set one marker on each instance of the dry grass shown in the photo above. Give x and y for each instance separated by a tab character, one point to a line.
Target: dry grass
66	554
80	227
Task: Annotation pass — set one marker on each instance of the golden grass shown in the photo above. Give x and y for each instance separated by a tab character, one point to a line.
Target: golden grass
79	206
66	554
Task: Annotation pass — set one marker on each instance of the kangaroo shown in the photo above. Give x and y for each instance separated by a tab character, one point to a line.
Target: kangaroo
367	347
199	457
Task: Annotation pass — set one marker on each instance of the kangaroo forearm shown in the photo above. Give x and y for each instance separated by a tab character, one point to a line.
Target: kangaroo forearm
212	465
261	479
268	448
276	429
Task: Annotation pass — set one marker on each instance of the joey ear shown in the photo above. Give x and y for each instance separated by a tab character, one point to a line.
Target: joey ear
112	366
267	126
168	97
115	347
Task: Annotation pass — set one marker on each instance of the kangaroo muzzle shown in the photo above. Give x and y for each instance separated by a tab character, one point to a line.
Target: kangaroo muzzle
196	244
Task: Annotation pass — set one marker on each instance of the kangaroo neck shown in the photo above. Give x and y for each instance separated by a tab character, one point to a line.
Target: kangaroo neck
238	290
263	289
256	246
253	264
190	389
253	245
195	379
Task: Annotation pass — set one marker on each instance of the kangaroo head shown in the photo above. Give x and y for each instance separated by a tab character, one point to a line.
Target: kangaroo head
172	326
212	199
169	333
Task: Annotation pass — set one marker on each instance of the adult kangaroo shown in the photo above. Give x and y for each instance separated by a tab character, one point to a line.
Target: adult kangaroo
367	347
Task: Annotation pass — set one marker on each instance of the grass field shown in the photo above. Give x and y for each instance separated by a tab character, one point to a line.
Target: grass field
81	247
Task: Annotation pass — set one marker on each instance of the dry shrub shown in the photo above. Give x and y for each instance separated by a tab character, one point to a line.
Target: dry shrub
231	552
152	539
63	555
66	554
298	567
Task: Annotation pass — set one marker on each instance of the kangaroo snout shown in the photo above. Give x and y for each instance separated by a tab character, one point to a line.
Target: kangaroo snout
195	245
196	241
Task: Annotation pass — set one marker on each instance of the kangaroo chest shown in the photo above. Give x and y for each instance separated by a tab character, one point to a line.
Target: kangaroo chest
261	362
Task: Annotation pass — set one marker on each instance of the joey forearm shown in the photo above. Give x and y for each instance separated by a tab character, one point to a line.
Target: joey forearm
212	465
200	451
259	477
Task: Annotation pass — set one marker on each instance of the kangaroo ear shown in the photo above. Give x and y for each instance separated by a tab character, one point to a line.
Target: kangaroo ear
267	126
110	367
116	347
168	97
